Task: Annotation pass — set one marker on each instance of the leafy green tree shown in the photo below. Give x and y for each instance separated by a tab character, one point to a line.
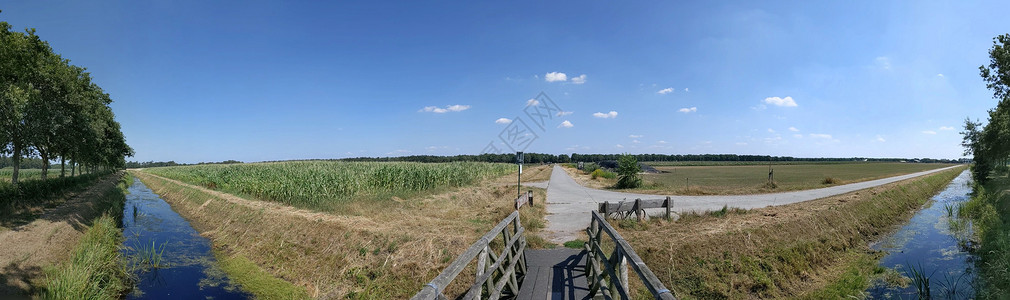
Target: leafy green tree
990	145
627	171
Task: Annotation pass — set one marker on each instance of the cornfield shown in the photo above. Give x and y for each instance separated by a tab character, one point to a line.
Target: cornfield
317	184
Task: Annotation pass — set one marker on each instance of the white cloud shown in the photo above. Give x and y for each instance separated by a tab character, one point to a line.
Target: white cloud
784	102
566	124
503	121
771	130
579	80
799	136
564	113
450	108
665	91
880	139
939	75
946	128
793	129
688	110
609	115
532	102
686	90
820	136
636	136
928	132
635	141
741	144
398	151
662	142
555	76
883	62
619	146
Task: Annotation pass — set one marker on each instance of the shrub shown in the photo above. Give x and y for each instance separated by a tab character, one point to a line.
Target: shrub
628	168
604	174
830	180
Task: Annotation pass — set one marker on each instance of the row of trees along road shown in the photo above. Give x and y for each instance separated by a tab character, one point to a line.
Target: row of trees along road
989	145
52	110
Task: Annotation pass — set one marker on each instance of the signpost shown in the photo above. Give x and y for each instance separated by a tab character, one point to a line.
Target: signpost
519	161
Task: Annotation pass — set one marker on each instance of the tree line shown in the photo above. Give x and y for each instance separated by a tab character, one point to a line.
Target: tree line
52	110
989	143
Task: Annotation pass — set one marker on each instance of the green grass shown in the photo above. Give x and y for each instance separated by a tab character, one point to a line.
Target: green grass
96	269
25	203
324	185
575	244
989	213
747	179
255	280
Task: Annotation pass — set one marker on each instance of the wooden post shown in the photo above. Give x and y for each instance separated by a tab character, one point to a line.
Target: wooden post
668	204
481	265
622	269
638	209
529	194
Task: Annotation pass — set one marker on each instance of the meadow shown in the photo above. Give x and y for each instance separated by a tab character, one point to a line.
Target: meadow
732	179
326	185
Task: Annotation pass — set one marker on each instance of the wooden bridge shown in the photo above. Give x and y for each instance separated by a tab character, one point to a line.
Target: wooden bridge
505	269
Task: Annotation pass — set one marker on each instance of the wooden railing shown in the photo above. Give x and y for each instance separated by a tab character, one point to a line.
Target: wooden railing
607	275
624	209
498	274
526	198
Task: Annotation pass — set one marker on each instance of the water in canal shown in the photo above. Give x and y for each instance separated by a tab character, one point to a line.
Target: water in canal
928	245
186	270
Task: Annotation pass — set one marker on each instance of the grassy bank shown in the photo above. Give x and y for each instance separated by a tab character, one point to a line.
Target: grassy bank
95	270
329	186
989	212
380	252
814	249
26	202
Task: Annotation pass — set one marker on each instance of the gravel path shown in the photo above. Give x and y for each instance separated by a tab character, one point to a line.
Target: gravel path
569	204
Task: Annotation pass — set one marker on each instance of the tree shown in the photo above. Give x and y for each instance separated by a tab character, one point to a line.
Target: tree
990	146
627	170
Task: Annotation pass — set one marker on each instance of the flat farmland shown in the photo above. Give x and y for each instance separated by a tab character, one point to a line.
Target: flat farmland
753	179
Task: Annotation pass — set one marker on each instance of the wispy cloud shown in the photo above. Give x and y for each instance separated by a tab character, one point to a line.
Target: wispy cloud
793	129
503	121
665	91
555	76
636	136
686	90
636	141
688	110
820	136
771	130
783	102
450	108
609	115
532	102
619	146
799	136
880	139
741	143
662	142
566	124
928	132
883	62
579	80
939	75
398	152
946	128
564	113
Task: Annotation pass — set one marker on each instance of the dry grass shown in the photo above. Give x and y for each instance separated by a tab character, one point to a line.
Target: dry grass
787	251
378	252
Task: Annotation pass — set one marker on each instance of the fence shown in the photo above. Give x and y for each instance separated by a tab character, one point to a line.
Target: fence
626	208
608	274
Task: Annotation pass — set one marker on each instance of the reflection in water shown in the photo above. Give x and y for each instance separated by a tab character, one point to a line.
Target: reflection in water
928	246
188	269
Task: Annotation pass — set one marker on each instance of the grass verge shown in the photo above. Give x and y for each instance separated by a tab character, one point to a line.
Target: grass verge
814	249
989	212
96	269
29	200
255	280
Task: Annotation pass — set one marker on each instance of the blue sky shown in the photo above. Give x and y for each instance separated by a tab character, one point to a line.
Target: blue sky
269	80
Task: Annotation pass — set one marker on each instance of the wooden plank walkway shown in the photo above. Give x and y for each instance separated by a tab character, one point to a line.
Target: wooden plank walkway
556	274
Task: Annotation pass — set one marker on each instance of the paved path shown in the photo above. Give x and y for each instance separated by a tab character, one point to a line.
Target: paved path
569	204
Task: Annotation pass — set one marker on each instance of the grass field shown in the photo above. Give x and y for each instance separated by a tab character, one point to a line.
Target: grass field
749	179
812	250
327	185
